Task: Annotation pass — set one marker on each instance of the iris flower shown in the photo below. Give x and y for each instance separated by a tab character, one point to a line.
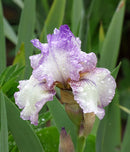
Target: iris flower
62	64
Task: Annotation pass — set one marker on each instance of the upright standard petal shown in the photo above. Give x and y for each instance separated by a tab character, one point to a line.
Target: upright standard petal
88	61
35	60
31	98
40	46
94	91
64	59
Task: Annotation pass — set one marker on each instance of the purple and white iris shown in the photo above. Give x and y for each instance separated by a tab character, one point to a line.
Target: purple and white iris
62	63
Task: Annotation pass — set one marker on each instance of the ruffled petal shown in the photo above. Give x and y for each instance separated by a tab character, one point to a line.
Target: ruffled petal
88	61
86	95
94	91
64	59
31	98
35	60
41	46
105	84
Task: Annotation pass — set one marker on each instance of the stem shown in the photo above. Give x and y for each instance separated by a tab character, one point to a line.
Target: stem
80	144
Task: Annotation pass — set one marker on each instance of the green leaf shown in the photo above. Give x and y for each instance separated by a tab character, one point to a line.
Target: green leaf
15	149
81	141
20	56
126	139
116	70
42	9
68	12
124	109
4	126
19	3
61	119
8	83
108	135
11	142
49	138
25	32
125	101
110	48
77	13
9	75
101	36
9	32
95	126
45	5
90	144
124	82
19	60
23	134
97	11
2	42
5	74
54	19
44	117
124	87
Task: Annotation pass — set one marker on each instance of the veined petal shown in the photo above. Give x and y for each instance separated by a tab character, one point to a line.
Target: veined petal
105	84
31	98
88	61
94	91
64	59
86	95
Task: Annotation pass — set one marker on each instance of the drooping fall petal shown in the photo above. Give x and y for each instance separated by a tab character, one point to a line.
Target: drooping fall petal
31	98
94	91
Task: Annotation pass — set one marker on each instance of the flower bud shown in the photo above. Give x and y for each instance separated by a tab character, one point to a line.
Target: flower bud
66	144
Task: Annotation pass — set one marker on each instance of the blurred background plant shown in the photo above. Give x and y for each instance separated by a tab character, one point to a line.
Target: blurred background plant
104	28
